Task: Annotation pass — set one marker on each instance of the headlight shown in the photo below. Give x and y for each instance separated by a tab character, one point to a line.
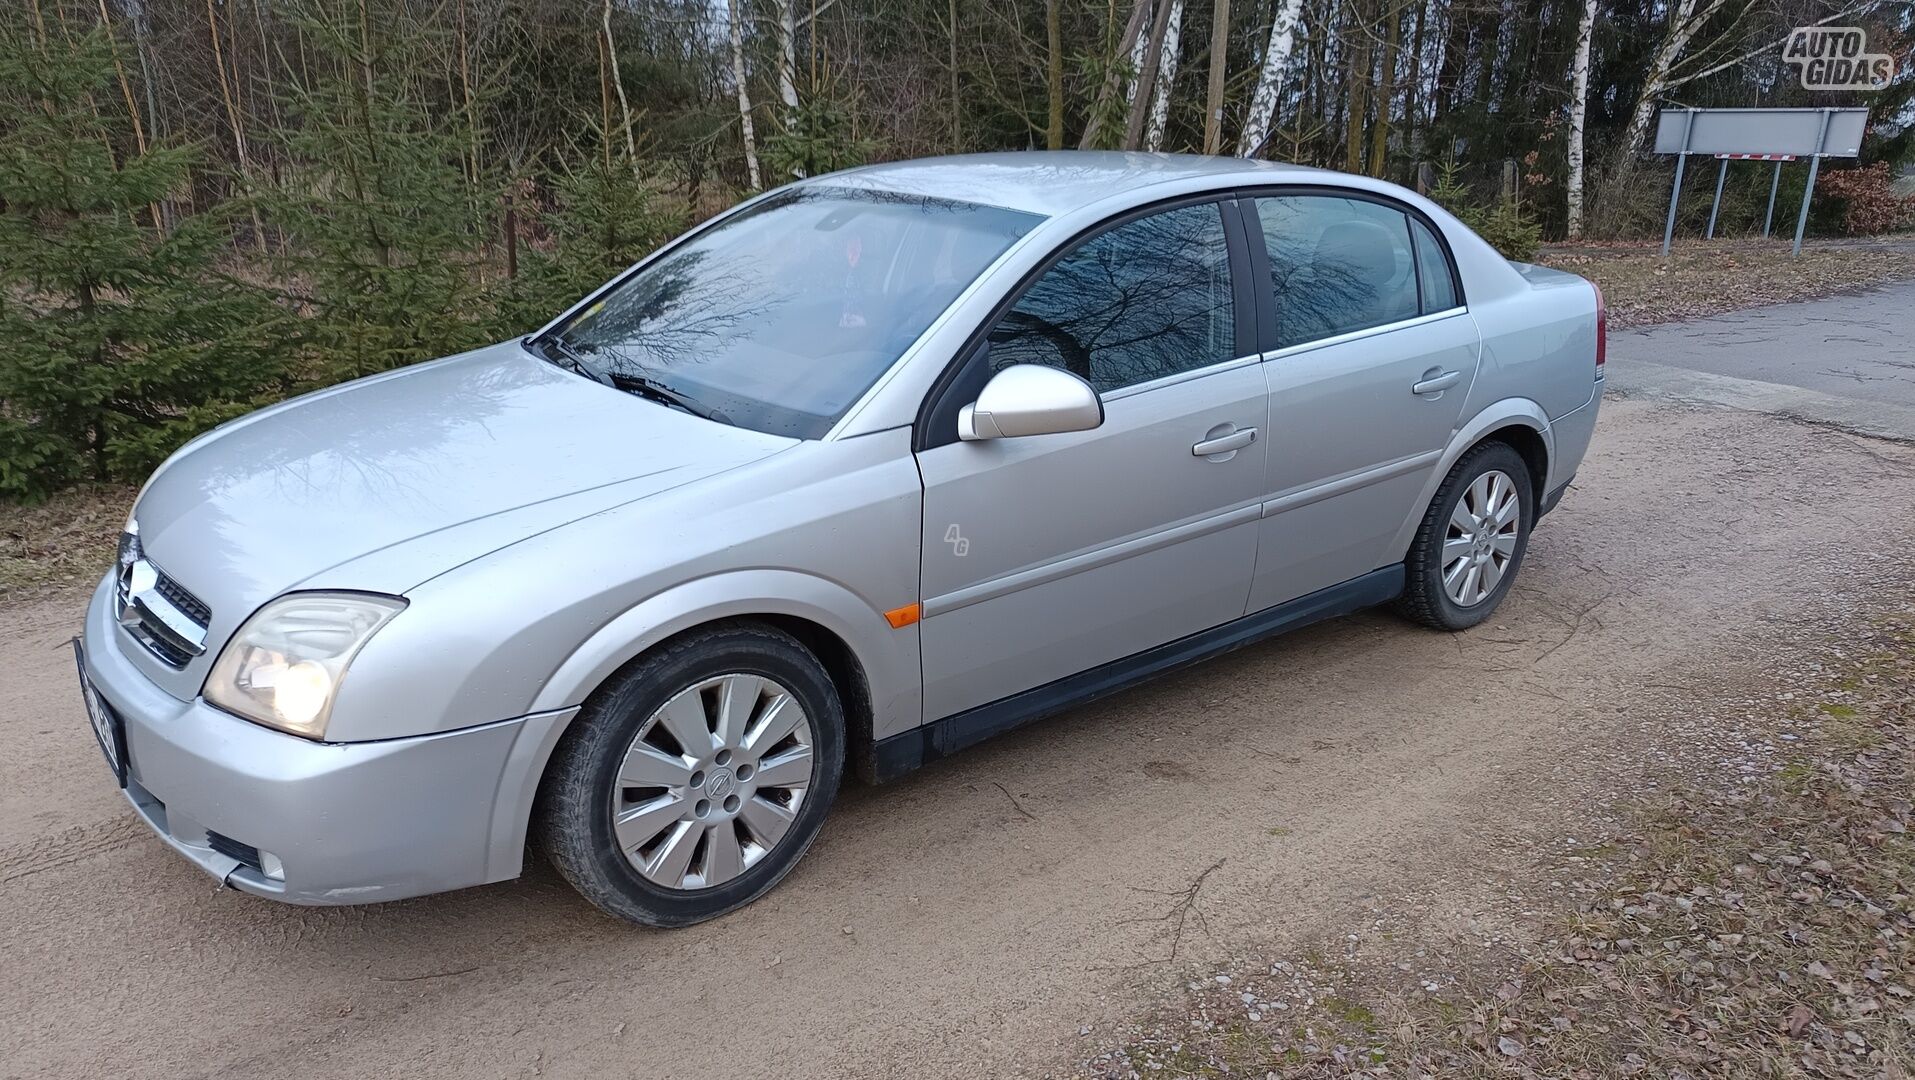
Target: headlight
283	667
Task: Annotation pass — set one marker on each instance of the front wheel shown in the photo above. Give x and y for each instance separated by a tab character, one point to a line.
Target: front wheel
1472	539
694	780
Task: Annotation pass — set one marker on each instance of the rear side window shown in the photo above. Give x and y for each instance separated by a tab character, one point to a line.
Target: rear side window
1433	270
1137	302
1337	265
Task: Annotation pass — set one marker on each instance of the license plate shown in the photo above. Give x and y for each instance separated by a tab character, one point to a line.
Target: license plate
107	726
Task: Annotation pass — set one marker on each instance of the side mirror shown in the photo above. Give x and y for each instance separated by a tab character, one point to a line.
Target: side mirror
1030	399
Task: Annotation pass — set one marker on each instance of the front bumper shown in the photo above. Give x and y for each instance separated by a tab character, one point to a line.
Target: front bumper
320	823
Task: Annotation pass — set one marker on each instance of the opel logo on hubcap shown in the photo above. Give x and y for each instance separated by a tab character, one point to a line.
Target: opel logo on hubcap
720	784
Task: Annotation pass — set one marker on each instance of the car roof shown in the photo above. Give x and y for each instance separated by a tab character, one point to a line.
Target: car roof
1053	182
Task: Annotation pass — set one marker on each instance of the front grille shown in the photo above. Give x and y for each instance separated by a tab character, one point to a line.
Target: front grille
190	606
159	613
244	854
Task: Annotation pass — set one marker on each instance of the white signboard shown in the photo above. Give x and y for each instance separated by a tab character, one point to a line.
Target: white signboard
1762	131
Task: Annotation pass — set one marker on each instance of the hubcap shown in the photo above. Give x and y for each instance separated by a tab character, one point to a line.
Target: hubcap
712	781
1481	539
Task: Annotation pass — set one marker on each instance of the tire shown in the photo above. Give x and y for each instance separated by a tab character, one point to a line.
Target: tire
618	759
1428	597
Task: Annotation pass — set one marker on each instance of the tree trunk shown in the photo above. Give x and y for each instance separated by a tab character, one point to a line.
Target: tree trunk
957	110
132	110
1054	74
1413	93
1143	88
1578	116
1276	58
1357	66
744	94
1684	21
1132	45
1386	94
787	57
1219	65
1166	78
618	86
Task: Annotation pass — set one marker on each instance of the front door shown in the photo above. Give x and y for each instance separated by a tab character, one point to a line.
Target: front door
1047	555
1374	356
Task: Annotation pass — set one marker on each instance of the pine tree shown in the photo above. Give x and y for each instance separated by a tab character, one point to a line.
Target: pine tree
821	139
604	217
121	342
374	221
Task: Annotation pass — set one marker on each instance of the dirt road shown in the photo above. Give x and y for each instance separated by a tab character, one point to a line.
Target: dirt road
971	919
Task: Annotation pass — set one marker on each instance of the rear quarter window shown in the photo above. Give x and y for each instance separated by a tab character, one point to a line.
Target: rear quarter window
1438	282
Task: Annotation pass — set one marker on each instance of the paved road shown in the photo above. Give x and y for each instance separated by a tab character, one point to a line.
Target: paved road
970	919
1847	361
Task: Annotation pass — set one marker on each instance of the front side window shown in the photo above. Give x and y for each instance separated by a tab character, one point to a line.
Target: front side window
1337	265
779	317
1136	302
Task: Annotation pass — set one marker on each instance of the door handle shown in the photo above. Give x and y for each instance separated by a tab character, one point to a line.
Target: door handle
1223	444
1434	383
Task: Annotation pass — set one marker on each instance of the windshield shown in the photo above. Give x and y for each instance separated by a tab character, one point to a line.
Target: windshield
777	318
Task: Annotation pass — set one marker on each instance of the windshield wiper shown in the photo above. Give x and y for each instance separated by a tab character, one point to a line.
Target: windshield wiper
664	395
559	351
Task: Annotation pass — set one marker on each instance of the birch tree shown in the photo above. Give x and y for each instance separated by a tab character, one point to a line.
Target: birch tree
1166	76
1578	117
737	21
1130	44
1276	59
618	85
1143	87
1685	18
787	57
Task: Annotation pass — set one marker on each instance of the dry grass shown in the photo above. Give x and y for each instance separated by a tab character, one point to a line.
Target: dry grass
62	543
1744	930
1710	277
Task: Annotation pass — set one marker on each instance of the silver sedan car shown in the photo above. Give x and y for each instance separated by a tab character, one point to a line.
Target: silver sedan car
864	471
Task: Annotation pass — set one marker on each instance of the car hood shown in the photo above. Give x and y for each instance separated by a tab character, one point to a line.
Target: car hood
386	482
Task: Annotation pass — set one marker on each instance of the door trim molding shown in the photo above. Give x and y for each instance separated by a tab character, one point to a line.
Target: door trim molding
1375	475
1088	560
890	758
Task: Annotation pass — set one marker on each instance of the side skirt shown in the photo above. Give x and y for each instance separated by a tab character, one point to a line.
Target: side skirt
893	757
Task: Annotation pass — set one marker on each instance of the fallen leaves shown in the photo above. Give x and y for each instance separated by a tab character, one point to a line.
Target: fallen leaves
1701	278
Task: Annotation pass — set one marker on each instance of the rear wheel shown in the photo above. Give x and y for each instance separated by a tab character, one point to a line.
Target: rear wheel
1471	543
694	781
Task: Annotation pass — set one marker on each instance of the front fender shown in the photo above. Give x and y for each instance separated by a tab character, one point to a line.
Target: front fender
889	657
1501	414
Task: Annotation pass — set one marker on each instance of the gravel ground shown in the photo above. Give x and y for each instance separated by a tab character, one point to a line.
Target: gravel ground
1734	902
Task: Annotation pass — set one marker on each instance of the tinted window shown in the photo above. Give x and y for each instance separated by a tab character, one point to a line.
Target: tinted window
1146	299
780	316
1433	270
1336	265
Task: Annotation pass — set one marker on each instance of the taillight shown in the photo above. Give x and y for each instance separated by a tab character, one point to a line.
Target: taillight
1602	330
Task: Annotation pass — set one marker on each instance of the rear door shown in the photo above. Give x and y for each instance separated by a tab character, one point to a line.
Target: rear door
1047	555
1373	353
